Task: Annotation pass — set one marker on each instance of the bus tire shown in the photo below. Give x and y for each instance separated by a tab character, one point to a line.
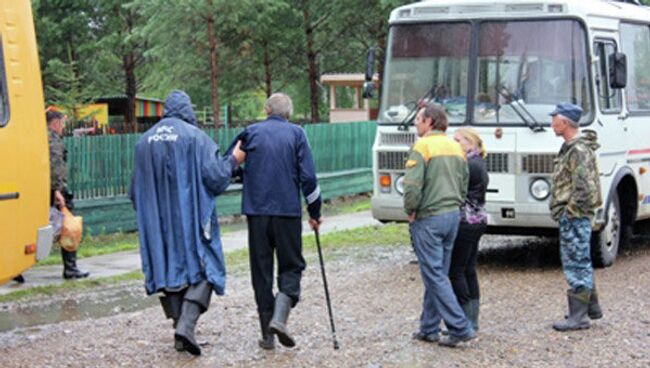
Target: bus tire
606	242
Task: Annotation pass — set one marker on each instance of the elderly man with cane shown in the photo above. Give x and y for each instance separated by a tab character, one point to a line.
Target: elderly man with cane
278	167
574	198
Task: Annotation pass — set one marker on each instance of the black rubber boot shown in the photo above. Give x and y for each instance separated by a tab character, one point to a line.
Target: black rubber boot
268	341
595	312
70	270
473	308
471	312
278	324
171	305
190	313
578	308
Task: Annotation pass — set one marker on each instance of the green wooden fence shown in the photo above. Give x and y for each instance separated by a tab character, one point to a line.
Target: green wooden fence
100	170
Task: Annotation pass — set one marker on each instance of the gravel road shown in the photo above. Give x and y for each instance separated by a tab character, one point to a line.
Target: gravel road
376	295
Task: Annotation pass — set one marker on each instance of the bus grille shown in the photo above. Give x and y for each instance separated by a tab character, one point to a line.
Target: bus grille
538	163
391	160
497	163
398	139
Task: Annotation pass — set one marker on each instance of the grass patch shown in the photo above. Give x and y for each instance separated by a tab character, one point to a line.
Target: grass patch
76	285
96	246
346	205
119	242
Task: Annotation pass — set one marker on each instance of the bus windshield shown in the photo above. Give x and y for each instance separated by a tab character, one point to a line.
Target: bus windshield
523	69
426	59
530	66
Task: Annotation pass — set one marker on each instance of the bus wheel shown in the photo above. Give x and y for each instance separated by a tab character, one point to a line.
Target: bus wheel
605	243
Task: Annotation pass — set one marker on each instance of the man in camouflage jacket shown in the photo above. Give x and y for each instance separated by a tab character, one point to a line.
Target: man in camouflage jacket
58	180
575	196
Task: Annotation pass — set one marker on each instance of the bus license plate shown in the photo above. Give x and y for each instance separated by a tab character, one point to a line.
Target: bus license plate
508	213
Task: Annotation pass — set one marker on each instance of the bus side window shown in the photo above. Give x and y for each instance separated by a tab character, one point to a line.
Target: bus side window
635	43
4	95
609	99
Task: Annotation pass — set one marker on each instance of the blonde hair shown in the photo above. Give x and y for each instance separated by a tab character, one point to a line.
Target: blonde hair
472	136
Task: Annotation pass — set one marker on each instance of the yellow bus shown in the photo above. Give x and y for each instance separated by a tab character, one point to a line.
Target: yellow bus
25	234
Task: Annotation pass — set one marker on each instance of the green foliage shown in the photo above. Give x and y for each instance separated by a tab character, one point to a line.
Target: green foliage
67	90
261	48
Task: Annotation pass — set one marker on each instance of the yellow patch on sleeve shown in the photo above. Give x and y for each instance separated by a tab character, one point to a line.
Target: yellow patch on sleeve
410	163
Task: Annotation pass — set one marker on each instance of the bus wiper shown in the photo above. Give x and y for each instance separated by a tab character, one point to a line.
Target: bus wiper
521	110
403	126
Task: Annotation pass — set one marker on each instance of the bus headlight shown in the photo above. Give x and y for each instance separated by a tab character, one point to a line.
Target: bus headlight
399	185
540	189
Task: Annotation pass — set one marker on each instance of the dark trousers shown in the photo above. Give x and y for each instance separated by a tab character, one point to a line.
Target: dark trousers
283	235
462	271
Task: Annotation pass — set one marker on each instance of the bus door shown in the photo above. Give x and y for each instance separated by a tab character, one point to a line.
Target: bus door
635	43
610	121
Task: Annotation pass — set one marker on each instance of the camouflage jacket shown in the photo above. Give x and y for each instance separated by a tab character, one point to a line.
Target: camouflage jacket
58	165
576	180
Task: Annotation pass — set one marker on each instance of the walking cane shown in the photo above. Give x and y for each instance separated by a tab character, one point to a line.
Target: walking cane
327	293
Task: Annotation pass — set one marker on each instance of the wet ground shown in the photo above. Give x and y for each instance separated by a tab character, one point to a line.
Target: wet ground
376	294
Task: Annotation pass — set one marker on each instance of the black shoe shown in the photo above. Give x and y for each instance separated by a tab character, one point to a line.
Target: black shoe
185	328
451	341
19	279
424	337
278	324
578	309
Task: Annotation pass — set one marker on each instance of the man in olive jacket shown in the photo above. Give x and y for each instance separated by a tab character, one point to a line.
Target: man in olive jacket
435	186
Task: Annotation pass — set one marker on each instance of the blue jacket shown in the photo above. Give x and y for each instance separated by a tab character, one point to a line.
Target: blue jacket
177	175
278	166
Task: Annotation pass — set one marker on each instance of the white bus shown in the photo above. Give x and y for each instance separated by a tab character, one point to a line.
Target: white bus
516	60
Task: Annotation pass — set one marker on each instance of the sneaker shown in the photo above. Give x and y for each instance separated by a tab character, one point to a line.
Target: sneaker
452	341
424	337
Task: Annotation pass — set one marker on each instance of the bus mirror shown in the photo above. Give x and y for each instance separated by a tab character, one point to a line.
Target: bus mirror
617	70
368	85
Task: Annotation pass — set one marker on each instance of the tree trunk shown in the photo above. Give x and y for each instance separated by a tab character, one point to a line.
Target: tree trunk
267	69
312	63
128	63
214	81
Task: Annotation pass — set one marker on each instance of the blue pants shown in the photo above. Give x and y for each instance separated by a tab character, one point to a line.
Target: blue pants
575	236
433	240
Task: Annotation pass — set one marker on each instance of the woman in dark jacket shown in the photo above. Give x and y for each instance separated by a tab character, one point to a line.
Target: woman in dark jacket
473	223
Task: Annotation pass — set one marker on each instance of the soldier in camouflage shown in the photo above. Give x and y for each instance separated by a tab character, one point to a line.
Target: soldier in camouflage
58	180
574	198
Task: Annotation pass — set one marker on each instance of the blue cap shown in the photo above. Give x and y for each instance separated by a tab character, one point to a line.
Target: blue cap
568	110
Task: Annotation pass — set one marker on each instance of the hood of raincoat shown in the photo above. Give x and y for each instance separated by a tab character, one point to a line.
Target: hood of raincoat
178	105
589	138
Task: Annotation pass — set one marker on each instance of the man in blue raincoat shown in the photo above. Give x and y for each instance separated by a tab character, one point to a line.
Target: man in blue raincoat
177	175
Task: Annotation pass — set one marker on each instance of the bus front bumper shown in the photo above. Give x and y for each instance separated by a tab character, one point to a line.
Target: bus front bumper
388	208
526	217
520	215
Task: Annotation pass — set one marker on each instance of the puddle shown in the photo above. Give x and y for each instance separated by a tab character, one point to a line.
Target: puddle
93	305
